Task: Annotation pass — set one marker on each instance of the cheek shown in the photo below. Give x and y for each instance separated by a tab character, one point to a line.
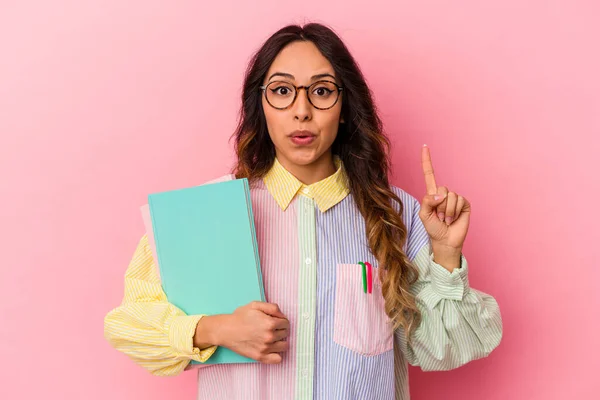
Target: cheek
270	117
275	124
329	128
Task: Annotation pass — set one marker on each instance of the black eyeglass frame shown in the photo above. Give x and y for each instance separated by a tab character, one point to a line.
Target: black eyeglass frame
263	88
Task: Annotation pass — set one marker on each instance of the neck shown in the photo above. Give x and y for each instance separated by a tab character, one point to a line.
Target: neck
310	173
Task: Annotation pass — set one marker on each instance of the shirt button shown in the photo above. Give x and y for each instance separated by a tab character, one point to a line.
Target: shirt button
306	190
305	315
308	261
305	373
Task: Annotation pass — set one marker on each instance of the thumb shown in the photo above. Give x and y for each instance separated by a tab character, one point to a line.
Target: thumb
431	201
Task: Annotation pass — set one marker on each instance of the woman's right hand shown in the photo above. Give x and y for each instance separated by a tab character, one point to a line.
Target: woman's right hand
256	330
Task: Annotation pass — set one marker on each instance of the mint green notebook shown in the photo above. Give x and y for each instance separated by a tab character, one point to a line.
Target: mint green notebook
207	253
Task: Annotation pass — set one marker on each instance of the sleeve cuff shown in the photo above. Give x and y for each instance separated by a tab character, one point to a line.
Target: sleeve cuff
181	337
450	285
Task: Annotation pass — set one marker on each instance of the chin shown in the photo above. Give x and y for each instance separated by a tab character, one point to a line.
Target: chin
299	156
303	156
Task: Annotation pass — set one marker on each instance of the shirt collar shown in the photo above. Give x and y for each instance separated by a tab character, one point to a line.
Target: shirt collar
328	192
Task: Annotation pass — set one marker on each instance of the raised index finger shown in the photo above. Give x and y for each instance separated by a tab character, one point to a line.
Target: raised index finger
428	170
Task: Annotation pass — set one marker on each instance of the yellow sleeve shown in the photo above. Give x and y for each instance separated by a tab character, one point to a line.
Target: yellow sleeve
151	331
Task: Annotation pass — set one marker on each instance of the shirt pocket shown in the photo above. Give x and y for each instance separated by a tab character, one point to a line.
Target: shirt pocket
360	321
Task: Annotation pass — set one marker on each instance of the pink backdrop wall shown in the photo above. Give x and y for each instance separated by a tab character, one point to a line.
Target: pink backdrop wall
102	102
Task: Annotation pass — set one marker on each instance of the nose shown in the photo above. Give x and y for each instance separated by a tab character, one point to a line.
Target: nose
302	108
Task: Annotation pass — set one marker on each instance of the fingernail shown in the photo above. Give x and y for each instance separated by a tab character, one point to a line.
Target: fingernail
449	220
441	216
438	196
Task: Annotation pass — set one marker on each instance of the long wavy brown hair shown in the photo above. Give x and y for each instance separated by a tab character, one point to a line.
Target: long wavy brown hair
363	148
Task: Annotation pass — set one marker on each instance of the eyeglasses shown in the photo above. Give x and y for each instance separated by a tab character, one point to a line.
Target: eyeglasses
322	94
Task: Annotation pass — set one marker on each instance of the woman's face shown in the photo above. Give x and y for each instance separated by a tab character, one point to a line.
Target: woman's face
301	63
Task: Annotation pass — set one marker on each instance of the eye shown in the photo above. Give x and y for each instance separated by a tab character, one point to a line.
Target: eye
281	89
322	91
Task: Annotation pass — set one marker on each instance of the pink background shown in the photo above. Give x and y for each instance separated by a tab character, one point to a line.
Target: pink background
104	102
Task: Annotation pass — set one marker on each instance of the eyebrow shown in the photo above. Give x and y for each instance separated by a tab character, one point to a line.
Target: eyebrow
290	76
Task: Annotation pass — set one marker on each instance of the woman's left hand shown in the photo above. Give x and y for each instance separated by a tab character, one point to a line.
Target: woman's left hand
446	219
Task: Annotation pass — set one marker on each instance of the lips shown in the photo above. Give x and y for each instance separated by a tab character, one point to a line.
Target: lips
302	138
303	133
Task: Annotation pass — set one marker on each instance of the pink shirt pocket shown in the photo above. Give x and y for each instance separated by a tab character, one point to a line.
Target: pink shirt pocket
360	321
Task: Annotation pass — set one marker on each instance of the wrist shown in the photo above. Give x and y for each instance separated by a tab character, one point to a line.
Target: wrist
448	257
207	334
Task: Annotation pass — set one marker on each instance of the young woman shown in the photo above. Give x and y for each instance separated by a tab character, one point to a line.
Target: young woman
312	145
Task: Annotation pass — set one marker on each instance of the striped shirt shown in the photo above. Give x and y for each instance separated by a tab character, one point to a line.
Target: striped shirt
341	345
